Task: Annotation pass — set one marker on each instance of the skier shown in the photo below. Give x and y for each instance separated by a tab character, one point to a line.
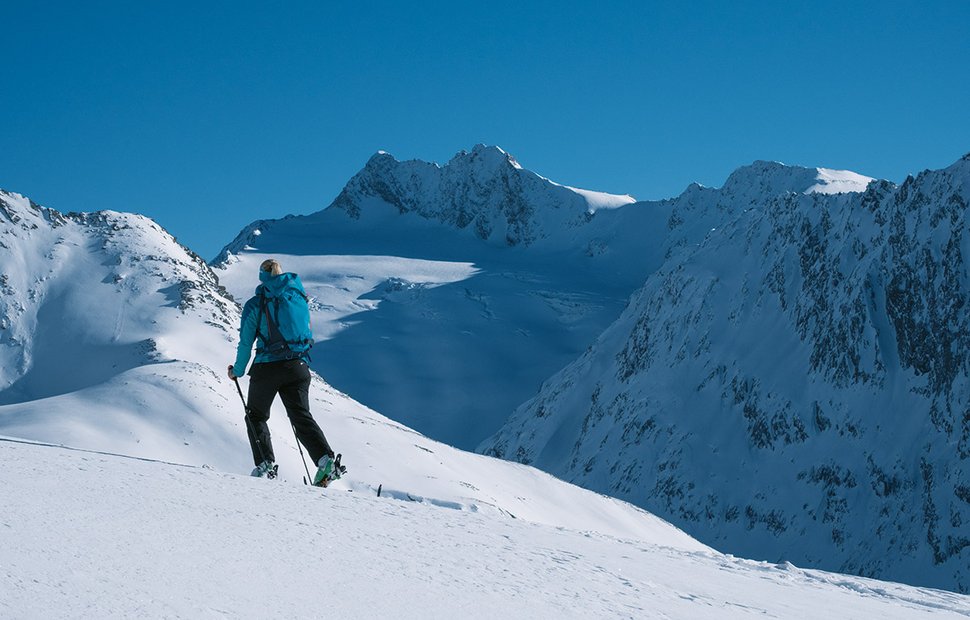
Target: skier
279	318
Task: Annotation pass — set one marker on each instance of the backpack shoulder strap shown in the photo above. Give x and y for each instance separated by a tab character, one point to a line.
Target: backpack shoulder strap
273	322
261	302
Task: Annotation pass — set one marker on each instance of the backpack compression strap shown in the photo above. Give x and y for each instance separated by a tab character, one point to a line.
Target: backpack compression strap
276	343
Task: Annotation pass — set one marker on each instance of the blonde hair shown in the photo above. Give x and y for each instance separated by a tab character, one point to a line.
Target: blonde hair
271	266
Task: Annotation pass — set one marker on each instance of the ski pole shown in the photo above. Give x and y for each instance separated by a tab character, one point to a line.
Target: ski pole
302	458
249	423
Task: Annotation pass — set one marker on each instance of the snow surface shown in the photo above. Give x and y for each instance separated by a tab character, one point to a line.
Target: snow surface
447	337
429	323
762	180
839	182
96	535
602	200
118	340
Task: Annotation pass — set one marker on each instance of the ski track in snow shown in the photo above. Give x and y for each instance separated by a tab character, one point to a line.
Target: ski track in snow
133	538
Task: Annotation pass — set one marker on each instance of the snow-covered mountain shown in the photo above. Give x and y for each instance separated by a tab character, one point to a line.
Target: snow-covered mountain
447	294
794	385
92	535
94	305
485	192
115	338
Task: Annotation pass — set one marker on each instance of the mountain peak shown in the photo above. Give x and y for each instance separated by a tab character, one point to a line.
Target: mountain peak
482	156
24	212
484	191
773	177
381	160
489	157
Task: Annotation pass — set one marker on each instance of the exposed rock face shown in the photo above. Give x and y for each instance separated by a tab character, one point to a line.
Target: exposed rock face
484	191
795	386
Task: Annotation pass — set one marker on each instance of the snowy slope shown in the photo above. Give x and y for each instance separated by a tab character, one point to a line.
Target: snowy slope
792	387
447	294
129	538
839	182
116	339
110	332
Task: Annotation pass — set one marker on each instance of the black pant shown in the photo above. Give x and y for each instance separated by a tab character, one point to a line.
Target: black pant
291	380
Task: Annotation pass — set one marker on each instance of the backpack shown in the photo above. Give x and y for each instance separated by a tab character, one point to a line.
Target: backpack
288	322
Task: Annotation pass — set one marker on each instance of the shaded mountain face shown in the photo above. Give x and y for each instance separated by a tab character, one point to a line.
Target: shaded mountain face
793	386
445	295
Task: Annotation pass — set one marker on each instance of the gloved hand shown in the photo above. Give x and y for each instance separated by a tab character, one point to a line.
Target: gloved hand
232	375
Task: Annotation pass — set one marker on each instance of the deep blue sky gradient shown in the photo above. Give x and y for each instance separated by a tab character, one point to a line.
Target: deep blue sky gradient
208	115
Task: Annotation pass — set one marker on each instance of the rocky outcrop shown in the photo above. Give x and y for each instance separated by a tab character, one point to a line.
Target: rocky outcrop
485	191
794	386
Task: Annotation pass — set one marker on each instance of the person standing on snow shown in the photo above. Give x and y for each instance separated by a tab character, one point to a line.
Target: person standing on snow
278	317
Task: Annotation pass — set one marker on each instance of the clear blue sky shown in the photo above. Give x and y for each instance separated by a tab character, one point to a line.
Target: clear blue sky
208	115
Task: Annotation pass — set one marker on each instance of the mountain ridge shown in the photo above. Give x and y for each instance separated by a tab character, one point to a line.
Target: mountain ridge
485	190
533	303
812	343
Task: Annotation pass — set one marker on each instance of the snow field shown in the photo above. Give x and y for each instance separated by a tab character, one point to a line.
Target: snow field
133	538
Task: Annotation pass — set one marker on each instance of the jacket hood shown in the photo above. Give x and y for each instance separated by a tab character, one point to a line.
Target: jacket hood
273	286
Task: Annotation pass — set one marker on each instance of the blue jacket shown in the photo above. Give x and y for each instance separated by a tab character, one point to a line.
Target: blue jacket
272	286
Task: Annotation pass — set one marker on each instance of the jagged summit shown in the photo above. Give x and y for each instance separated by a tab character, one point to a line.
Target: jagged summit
378	159
482	158
21	210
485	191
491	157
18	209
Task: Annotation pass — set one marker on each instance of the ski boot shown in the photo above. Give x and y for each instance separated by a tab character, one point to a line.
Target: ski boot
329	470
266	469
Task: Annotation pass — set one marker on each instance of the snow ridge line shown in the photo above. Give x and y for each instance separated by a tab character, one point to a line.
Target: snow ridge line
28	442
